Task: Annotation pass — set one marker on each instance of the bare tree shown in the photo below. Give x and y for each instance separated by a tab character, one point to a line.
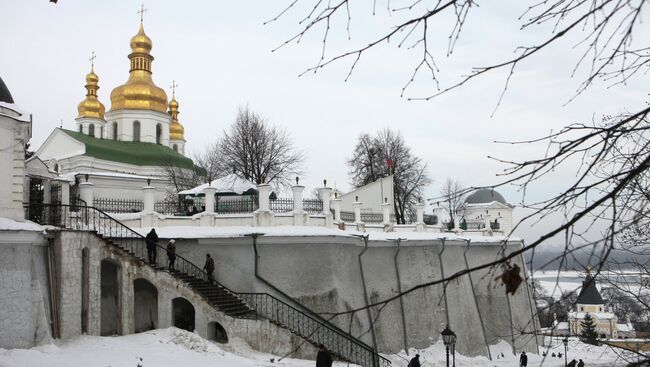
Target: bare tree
453	196
259	152
206	168
387	154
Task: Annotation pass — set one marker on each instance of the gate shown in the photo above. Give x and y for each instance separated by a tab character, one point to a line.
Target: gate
36	195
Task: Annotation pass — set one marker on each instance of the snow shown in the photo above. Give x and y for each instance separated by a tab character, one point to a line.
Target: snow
7	224
227	184
70	176
170	347
305	231
175	347
22	116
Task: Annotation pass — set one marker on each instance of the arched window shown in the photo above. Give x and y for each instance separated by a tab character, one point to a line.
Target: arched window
115	131
91	130
136	130
158	133
101	132
81	128
175	148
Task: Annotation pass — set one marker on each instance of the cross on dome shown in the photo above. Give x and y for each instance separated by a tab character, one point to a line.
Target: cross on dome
173	88
92	60
141	12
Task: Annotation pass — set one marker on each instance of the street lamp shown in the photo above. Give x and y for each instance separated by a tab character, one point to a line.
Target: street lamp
449	338
565	341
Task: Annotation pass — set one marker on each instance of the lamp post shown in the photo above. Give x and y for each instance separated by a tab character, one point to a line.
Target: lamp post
449	338
565	341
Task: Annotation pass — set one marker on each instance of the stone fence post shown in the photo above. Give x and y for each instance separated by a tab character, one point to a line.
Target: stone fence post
336	205
419	214
209	198
148	195
264	191
65	192
357	210
385	207
297	198
86	192
325	194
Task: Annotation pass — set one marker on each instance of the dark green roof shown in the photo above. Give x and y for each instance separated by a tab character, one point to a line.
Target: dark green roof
130	152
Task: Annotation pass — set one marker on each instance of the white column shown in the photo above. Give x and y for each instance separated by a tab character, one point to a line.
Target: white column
336	205
385	207
487	222
297	198
209	198
264	191
419	213
357	211
86	192
148	198
65	192
325	194
456	223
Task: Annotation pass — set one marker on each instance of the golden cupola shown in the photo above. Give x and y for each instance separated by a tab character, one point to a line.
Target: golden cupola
176	130
91	106
139	92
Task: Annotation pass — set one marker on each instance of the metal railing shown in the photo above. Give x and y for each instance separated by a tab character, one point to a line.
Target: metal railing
117	205
310	327
347	217
312	206
235	204
372	217
281	205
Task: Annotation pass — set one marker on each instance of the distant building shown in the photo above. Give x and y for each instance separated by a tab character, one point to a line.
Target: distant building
591	302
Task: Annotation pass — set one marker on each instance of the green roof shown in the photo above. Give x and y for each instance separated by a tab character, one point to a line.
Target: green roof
131	152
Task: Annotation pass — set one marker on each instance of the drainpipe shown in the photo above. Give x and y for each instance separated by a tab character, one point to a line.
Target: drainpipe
442	275
401	299
254	236
478	310
365	292
532	313
512	328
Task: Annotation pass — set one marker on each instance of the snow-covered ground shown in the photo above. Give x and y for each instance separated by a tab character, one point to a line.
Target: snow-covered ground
556	282
175	347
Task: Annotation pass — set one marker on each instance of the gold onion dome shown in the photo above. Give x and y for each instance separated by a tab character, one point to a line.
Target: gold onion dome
176	130
91	106
139	92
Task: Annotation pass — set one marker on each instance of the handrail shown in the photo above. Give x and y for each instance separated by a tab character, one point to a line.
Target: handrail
307	326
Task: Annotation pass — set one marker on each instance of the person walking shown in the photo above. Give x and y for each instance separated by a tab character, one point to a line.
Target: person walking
209	267
523	360
171	254
152	243
415	361
572	363
323	358
581	363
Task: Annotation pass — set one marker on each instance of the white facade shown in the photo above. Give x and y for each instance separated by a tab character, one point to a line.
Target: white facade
372	195
91	126
153	126
15	132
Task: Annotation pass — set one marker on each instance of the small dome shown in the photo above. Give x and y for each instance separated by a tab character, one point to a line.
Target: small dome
5	95
141	42
91	106
176	130
483	196
92	78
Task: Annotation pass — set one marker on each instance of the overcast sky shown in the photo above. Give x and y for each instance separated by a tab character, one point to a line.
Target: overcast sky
219	52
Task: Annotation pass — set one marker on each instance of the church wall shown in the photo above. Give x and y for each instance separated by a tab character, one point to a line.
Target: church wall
148	121
324	274
13	135
24	290
371	195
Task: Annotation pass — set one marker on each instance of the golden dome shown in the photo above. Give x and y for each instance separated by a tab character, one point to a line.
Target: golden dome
139	91
91	106
176	130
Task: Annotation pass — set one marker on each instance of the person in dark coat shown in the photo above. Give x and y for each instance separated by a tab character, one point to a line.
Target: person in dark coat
572	363
323	358
415	361
152	243
171	254
581	363
209	267
523	360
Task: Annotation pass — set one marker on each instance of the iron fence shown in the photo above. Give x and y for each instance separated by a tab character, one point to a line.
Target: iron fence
118	205
347	217
236	204
281	205
372	217
312	206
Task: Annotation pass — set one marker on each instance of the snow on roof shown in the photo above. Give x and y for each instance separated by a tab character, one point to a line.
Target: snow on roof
623	327
228	184
70	176
20	115
597	315
7	224
304	231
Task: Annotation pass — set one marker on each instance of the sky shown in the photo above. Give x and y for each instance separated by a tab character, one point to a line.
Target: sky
220	55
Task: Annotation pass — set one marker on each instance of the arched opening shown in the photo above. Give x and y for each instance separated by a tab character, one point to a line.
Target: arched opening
115	131
101	132
85	260
110	298
91	130
81	128
183	314
217	333
145	308
136	130
158	133
175	148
